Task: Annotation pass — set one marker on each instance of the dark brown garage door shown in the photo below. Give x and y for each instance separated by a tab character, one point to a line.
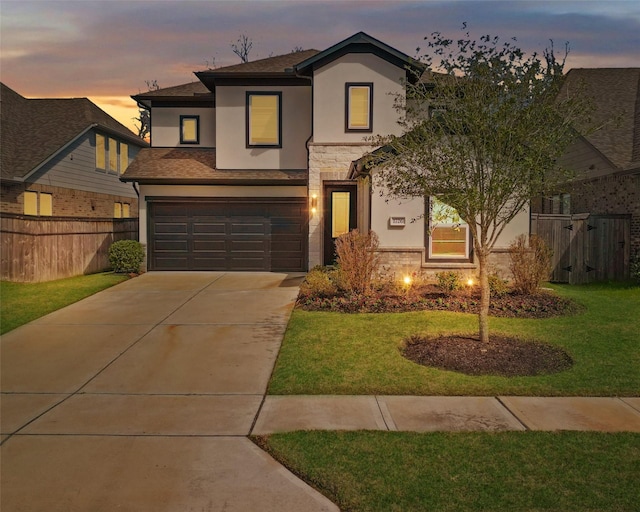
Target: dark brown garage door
267	234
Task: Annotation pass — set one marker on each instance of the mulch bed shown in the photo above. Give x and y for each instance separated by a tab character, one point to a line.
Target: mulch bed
502	355
543	304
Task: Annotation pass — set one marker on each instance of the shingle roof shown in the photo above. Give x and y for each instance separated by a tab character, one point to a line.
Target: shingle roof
35	129
615	92
191	165
277	64
190	89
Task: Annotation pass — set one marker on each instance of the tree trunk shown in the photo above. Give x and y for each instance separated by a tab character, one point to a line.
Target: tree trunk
485	297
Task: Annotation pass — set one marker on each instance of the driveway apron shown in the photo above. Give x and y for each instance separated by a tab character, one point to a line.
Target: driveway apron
141	397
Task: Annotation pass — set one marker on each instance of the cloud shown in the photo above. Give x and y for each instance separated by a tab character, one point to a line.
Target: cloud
109	48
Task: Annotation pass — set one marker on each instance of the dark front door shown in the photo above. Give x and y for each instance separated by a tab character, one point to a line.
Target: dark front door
340	216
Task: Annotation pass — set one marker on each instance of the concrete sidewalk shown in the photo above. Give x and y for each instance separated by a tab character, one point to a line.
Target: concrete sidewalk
444	413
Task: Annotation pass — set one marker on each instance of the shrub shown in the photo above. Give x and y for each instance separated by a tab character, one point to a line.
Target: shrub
449	281
319	283
357	260
126	256
530	264
634	270
497	285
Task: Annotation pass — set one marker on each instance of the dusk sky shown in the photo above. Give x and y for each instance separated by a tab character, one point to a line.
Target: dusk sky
106	49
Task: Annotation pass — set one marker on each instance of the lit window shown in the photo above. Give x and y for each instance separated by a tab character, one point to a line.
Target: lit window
101	161
359	103
448	236
189	129
113	155
126	213
117	210
30	203
263	119
340	213
46	204
124	157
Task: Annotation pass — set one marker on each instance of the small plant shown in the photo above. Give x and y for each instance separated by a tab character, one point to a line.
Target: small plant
497	285
530	264
449	281
357	260
126	256
319	283
634	268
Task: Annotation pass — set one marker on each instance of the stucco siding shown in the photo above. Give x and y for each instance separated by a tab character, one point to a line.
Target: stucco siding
75	168
329	96
231	144
165	126
411	235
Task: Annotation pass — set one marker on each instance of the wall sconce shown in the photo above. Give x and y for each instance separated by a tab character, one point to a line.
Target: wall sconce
314	203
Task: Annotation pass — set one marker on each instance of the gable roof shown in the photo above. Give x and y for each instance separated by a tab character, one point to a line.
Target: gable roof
615	93
34	130
359	43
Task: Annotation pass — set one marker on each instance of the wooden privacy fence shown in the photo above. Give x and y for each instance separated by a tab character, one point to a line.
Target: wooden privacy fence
586	247
38	249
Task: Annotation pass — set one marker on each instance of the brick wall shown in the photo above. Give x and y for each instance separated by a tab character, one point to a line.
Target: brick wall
613	194
66	202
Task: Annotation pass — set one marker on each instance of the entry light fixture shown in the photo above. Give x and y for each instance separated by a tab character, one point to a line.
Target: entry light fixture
314	203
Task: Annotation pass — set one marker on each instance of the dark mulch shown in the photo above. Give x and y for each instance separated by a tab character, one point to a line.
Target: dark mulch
502	355
543	304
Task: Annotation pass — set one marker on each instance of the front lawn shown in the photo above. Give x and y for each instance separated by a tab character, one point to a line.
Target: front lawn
509	471
21	303
337	353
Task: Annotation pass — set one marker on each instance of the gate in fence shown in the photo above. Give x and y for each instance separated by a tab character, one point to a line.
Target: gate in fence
586	247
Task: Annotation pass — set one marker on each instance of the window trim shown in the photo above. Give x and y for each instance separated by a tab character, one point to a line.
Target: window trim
197	120
427	241
347	104
248	95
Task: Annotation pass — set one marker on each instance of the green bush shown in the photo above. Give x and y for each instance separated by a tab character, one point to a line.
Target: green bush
449	281
634	270
319	282
498	286
126	256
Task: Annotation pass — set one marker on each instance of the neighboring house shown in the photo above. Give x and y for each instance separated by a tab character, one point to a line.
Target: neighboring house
607	162
249	168
61	162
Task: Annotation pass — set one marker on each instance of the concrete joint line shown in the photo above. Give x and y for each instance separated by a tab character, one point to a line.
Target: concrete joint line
526	427
386	414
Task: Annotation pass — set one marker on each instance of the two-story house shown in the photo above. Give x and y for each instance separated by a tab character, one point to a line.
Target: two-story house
248	168
60	164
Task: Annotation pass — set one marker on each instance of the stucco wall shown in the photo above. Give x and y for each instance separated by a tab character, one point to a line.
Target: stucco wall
231	144
165	126
329	96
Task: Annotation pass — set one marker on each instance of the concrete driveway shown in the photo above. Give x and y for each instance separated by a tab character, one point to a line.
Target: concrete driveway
141	397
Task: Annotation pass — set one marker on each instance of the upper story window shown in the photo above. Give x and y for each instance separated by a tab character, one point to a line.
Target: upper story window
101	152
448	235
359	107
124	157
264	119
113	155
189	129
